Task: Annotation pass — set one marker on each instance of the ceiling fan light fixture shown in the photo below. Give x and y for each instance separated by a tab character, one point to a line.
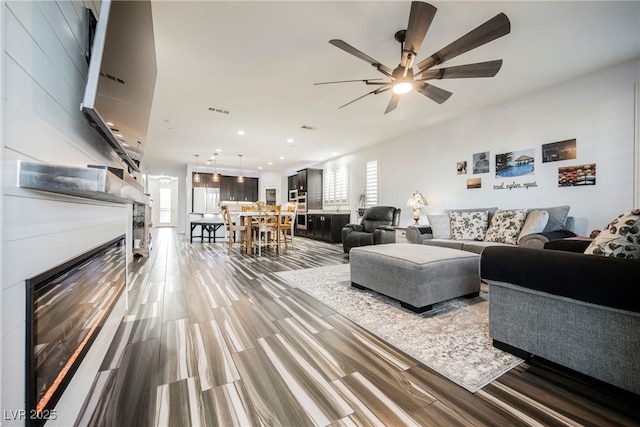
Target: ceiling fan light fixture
402	87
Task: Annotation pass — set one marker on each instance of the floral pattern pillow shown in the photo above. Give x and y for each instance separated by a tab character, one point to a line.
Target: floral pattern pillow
468	225
620	239
505	226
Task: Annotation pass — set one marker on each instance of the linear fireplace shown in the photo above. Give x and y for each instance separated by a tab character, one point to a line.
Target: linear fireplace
66	308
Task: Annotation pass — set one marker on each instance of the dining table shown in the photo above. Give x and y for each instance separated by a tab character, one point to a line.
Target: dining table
247	217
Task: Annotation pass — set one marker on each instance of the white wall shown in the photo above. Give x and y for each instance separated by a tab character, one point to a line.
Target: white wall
272	180
597	110
44	73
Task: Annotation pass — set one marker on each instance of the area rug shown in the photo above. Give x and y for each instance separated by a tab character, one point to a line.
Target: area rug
452	338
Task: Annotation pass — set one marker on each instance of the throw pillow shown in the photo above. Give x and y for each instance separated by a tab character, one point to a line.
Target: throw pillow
468	225
505	226
490	211
535	222
440	226
557	217
620	239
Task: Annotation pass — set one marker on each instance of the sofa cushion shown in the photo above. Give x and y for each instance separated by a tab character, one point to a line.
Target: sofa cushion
619	239
470	225
557	217
505	226
535	223
440	226
444	243
490	211
478	247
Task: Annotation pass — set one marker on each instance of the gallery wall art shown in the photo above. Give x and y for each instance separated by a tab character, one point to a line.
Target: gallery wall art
462	167
474	183
557	151
515	163
577	176
481	162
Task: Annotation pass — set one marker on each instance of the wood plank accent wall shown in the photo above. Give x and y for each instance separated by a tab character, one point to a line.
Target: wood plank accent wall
44	77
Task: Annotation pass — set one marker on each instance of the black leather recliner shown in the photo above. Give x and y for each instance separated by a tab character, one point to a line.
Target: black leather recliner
378	225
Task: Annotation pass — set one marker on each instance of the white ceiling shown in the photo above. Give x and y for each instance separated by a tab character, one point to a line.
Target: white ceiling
259	61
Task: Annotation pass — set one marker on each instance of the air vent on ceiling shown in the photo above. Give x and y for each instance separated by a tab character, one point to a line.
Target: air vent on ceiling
307	127
115	79
218	110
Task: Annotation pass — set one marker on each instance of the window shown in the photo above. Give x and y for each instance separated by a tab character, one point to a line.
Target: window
371	189
336	186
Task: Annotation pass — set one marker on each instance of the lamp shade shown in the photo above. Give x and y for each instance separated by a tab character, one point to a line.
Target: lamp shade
417	201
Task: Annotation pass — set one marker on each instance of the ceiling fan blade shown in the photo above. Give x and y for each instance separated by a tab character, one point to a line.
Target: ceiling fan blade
373	92
480	69
434	93
366	81
366	58
494	28
420	19
393	103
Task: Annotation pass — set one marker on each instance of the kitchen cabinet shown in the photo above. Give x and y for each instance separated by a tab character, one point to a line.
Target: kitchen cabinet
232	190
292	182
206	180
309	182
326	227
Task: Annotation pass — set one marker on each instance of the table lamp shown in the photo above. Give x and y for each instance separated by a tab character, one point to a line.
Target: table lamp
417	202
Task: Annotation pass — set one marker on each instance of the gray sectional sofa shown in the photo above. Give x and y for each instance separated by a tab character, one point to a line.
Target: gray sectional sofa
558	226
579	311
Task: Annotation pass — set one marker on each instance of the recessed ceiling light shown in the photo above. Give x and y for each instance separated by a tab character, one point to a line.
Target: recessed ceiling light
289	140
281	158
240	132
270	163
117	135
208	162
109	124
125	144
334	154
320	158
260	167
218	150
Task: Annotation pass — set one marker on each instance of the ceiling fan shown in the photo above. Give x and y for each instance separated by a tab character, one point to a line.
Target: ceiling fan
403	78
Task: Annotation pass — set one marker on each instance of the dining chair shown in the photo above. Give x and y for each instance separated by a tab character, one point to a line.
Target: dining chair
232	229
265	227
287	227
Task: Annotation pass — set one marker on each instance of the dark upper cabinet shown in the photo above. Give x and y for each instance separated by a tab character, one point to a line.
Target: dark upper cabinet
292	182
309	182
250	189
206	180
302	180
201	183
232	190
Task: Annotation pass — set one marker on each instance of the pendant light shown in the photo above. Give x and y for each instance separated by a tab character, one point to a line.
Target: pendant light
240	177
196	177
216	177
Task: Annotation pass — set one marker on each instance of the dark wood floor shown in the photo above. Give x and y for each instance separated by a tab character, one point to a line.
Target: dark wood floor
213	339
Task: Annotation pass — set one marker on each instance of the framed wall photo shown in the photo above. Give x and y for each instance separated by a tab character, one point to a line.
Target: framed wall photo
577	176
557	151
515	163
481	162
461	167
474	183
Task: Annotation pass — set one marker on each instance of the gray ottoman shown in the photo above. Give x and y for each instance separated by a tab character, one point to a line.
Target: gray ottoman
416	275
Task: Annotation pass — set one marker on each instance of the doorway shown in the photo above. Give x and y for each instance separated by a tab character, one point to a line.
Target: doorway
166	202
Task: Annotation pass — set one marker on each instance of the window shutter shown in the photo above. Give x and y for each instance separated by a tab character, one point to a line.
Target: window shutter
371	189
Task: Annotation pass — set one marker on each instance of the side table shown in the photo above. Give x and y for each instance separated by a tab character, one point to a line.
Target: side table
401	235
